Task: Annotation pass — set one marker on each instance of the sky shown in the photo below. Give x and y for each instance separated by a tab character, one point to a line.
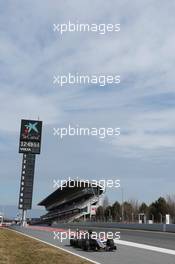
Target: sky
143	105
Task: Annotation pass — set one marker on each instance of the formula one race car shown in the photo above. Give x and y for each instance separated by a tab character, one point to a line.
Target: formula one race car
87	242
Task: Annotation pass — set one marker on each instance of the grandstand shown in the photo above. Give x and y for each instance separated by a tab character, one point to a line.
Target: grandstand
74	201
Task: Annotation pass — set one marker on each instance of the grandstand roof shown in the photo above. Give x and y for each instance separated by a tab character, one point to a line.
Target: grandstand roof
66	190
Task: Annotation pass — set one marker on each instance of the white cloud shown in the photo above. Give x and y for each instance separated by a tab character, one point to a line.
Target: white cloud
143	53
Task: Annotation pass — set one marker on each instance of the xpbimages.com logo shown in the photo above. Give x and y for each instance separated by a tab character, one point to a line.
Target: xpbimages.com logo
102	236
75	130
84	183
85	79
101	28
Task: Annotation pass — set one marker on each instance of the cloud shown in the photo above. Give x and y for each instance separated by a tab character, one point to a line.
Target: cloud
142	53
31	53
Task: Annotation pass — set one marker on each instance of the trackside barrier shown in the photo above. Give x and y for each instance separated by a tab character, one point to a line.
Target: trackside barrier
147	227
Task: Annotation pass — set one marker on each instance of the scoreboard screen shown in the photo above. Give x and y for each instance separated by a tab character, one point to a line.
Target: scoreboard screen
30	136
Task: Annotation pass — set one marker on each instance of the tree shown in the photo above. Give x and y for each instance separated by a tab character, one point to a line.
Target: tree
105	202
107	213
100	213
171	206
152	212
128	210
143	209
162	208
158	209
135	209
116	211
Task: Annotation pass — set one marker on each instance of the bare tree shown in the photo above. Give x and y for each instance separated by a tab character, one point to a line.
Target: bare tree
116	211
100	213
105	202
135	209
171	206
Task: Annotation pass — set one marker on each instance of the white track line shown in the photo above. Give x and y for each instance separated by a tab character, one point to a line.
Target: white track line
147	247
65	250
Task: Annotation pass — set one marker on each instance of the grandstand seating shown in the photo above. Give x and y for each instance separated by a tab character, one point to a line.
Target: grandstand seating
71	204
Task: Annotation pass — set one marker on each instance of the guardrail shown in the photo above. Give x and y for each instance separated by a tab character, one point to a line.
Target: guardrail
147	227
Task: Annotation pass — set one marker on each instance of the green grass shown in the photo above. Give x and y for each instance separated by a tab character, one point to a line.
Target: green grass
18	249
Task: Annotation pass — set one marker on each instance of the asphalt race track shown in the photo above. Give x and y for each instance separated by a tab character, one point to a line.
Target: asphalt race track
153	238
132	249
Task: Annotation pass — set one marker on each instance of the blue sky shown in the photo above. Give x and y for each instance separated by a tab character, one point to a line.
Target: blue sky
143	157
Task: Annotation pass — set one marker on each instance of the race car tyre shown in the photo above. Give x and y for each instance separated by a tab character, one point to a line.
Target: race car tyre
86	245
71	242
110	245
